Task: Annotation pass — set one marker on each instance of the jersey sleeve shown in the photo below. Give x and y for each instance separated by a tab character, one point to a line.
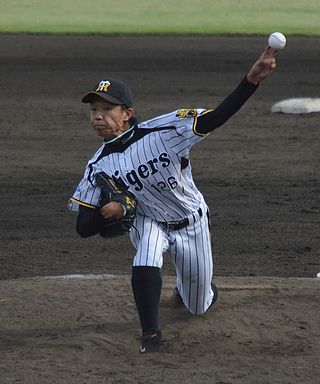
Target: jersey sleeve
186	134
86	194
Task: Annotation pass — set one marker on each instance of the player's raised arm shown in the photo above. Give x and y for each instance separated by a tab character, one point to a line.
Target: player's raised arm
260	70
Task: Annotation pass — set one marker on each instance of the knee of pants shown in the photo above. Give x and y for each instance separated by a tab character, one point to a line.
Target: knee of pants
197	311
198	305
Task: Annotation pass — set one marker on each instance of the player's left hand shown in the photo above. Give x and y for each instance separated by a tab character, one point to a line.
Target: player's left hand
264	66
112	210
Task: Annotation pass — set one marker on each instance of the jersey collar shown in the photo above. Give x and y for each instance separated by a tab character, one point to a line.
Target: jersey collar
123	138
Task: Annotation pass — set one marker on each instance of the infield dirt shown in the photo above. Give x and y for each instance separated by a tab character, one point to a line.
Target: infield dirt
259	174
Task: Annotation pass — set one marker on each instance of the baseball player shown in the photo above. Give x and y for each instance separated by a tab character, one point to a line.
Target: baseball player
151	161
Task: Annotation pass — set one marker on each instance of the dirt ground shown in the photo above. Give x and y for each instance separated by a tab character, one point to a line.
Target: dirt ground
260	177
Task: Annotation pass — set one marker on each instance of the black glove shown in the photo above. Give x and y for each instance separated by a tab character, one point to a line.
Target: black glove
114	191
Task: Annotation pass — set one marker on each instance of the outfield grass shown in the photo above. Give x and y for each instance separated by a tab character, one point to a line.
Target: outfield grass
167	16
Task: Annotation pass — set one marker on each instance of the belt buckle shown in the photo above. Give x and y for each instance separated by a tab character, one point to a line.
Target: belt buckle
175	225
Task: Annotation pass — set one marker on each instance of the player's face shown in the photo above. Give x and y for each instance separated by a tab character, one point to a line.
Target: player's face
109	120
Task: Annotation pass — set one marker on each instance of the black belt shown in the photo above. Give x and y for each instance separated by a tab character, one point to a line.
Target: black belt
179	224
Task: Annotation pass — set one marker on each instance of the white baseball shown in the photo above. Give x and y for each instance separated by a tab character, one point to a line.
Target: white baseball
318	275
277	40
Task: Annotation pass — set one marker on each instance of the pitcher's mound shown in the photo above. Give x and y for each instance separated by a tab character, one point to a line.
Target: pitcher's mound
86	329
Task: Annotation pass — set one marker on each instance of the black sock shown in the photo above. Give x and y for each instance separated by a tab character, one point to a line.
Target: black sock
146	284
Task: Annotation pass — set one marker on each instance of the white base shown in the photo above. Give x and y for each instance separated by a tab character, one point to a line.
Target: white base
297	106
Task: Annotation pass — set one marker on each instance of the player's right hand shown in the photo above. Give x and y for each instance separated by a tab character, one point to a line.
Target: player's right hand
264	66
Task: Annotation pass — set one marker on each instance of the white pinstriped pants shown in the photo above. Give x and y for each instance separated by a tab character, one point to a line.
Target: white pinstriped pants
190	249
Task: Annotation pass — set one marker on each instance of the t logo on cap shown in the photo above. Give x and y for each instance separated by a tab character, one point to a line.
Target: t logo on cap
103	86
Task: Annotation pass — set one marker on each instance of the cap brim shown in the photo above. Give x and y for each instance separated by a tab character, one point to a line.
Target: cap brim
87	98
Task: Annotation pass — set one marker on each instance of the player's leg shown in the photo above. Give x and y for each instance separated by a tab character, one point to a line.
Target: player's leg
192	255
150	242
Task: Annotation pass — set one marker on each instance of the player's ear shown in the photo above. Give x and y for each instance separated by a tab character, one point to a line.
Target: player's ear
129	114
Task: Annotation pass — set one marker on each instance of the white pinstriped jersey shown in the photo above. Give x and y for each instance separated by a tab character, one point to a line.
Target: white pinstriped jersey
152	160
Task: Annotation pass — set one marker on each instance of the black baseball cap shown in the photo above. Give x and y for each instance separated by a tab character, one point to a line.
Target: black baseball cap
114	91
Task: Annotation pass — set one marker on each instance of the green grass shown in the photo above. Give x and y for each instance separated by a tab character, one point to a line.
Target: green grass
298	17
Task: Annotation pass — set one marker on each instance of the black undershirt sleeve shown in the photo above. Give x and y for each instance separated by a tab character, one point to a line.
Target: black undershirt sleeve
227	108
89	221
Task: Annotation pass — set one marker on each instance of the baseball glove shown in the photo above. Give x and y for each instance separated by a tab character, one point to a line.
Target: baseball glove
114	191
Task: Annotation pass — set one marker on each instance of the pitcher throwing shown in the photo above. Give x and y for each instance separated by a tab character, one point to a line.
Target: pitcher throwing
150	161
